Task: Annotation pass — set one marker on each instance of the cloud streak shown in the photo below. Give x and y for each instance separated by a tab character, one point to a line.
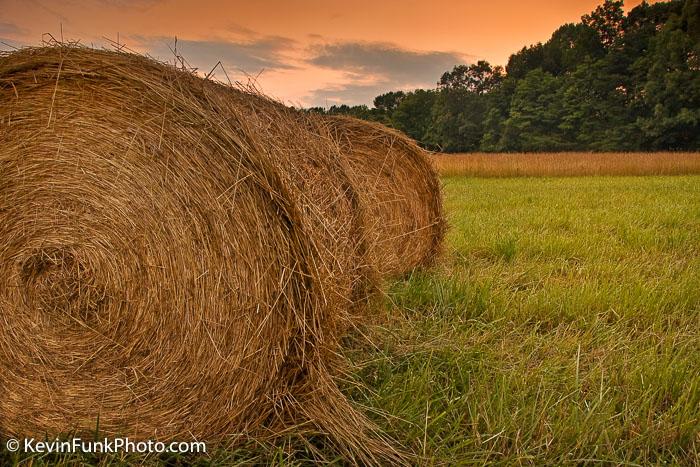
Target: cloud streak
249	56
136	4
11	30
385	61
372	68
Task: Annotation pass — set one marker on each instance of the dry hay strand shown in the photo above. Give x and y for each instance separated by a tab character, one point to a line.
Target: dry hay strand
155	271
405	220
317	174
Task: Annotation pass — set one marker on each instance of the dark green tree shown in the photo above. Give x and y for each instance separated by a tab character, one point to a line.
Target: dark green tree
611	82
388	102
570	45
672	90
691	19
457	120
607	20
497	109
535	116
595	111
479	77
524	61
413	115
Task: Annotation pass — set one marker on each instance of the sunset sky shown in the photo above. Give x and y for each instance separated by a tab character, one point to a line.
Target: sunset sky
304	52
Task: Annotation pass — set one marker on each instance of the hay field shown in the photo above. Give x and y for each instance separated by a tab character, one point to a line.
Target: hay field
567	164
561	327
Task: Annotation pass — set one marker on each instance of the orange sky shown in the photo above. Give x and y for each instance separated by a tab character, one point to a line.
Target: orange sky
305	52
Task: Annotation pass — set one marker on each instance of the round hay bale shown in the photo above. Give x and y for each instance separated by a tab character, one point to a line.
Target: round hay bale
156	272
404	214
317	175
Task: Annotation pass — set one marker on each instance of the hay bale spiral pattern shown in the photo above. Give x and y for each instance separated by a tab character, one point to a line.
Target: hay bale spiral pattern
179	259
155	269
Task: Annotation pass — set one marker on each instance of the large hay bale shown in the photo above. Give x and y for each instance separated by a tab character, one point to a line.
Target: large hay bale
402	193
156	269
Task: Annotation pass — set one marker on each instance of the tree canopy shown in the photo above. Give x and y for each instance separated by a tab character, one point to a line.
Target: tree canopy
611	82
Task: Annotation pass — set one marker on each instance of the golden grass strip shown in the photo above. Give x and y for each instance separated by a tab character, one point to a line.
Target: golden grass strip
566	164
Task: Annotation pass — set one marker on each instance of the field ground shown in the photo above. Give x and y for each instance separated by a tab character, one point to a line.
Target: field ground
567	164
563	327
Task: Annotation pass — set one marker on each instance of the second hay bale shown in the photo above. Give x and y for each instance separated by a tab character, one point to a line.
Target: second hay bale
401	192
318	177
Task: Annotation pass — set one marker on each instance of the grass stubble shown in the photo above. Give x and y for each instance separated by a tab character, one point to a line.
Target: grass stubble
562	327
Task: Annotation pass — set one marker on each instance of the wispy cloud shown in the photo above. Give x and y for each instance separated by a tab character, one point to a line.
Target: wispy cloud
134	4
242	31
11	30
10	36
385	61
372	68
248	56
7	45
137	5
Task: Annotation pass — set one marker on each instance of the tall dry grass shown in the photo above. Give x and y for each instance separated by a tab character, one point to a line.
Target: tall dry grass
567	164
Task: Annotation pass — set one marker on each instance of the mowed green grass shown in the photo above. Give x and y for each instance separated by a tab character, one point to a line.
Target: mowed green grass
563	326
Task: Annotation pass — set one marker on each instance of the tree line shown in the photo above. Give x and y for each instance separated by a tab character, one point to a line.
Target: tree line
612	82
